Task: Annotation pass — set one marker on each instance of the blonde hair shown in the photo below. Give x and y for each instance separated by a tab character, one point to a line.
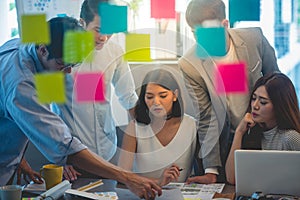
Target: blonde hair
200	10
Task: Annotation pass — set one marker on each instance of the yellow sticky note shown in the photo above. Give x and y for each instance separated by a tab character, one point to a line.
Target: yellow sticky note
78	46
138	47
50	87
35	29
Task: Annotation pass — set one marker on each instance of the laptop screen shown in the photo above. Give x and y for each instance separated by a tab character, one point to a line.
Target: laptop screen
267	171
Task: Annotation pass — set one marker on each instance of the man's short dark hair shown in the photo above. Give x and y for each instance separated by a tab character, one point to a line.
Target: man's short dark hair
201	10
89	9
58	27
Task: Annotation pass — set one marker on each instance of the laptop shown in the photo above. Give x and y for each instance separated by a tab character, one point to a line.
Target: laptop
267	171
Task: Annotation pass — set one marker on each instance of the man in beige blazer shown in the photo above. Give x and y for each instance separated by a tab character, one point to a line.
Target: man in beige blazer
220	114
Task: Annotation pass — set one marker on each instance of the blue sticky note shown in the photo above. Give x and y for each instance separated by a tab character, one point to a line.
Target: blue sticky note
113	18
245	10
61	15
210	42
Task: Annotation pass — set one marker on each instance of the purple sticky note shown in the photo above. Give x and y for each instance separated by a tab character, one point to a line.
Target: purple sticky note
231	78
163	9
89	87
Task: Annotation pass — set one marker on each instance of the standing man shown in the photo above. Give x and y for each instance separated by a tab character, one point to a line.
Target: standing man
93	122
220	115
23	118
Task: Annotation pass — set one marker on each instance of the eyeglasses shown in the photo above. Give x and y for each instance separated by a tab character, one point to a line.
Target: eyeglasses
66	66
69	66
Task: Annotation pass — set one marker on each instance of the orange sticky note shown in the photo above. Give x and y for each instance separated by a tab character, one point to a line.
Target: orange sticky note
138	47
50	87
35	29
89	87
231	78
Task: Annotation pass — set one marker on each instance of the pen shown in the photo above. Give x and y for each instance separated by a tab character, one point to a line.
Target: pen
248	131
180	169
90	185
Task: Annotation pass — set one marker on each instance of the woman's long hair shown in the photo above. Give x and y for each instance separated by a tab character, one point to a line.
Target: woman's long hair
283	96
166	80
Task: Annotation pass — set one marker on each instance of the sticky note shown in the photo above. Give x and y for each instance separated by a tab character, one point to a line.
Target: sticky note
50	87
163	9
210	42
231	78
78	46
34	29
61	15
89	87
137	47
113	18
246	10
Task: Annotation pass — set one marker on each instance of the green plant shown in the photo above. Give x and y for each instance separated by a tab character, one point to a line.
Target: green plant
134	5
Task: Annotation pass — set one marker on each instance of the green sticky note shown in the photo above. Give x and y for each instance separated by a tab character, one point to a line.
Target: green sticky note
210	42
138	47
245	10
50	87
35	29
113	18
78	46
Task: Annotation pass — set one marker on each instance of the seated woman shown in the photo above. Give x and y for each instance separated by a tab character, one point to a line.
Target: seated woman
274	120
160	143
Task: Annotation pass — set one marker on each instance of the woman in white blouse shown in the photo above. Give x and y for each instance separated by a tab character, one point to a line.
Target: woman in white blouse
160	143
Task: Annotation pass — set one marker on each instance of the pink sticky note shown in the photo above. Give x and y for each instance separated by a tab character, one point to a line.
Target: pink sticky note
89	87
163	9
231	78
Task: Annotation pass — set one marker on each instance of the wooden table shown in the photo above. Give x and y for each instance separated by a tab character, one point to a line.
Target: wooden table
111	185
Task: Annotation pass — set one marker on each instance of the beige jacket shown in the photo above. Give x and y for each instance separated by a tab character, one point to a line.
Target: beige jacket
253	48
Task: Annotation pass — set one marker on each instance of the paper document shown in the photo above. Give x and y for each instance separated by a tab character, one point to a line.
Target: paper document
166	195
196	191
34	187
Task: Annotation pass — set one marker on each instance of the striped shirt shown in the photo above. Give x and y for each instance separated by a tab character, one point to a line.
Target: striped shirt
276	139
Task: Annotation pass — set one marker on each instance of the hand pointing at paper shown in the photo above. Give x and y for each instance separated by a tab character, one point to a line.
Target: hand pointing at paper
28	174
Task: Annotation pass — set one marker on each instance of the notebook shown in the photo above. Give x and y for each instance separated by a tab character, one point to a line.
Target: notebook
268	171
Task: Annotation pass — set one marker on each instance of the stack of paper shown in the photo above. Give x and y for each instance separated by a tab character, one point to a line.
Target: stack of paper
196	191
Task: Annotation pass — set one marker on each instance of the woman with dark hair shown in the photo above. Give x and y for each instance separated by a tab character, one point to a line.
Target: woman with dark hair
273	118
160	143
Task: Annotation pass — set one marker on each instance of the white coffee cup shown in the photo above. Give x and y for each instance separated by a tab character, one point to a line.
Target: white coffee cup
9	192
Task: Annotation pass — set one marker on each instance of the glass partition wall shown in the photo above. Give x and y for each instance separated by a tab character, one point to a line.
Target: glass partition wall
279	20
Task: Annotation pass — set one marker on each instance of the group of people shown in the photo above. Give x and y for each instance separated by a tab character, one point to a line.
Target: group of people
162	143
